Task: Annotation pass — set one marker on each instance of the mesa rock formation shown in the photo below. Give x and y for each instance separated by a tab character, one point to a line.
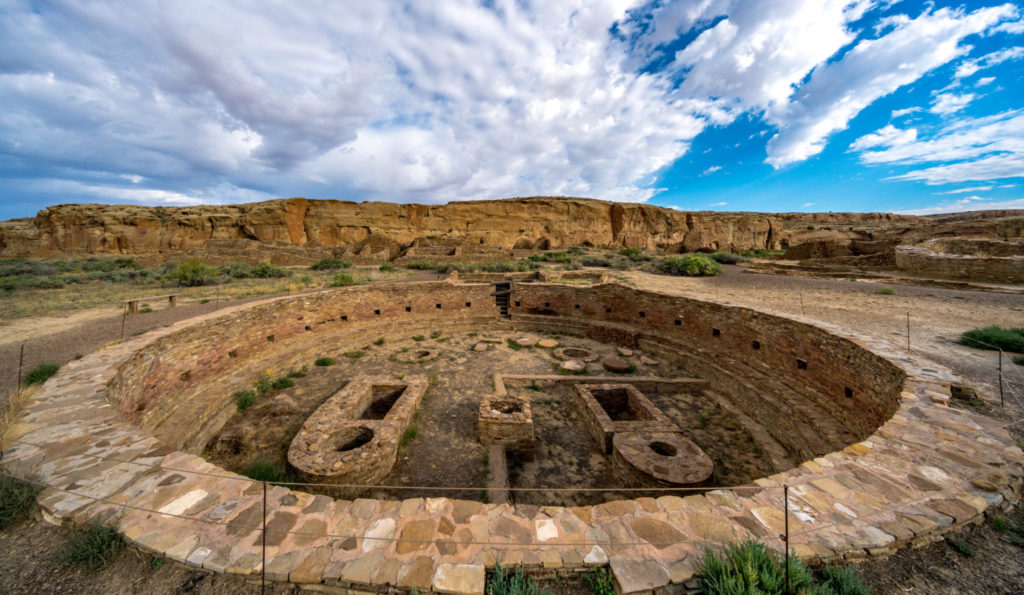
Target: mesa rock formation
300	231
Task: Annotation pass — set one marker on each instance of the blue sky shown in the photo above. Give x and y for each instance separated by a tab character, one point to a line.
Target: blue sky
730	105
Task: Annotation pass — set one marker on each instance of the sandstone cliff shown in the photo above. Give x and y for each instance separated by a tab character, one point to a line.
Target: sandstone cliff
298	230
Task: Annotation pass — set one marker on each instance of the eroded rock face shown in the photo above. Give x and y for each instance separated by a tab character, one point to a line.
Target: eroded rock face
380	231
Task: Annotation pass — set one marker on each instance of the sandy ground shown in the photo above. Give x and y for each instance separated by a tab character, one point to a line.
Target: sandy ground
30	561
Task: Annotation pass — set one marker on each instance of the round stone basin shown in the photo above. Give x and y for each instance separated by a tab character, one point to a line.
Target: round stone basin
663	458
575	353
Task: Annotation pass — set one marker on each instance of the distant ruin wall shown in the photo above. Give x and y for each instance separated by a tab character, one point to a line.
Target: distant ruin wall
979	260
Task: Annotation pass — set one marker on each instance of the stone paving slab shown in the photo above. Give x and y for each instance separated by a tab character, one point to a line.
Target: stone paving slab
927	470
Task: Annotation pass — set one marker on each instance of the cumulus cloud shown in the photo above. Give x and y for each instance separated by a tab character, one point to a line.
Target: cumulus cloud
439	101
889	136
873	68
948	103
711	170
899	113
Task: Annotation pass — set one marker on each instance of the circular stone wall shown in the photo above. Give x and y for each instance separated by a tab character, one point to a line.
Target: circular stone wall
881	460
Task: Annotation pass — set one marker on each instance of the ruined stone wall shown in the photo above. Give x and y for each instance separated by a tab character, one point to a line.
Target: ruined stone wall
925	260
180	387
809	388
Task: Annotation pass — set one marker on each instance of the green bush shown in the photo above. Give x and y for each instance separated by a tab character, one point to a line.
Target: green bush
595	261
503	582
387	267
425	265
696	265
191	272
600	582
236	270
282	383
726	257
245	399
330	263
267	471
553	256
324	361
994	337
94	546
41	373
750	567
887	290
16	499
265	270
342	280
842	580
298	373
634	254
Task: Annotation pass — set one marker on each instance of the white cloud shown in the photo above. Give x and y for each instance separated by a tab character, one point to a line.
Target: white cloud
889	136
985	80
966	205
969	149
718	204
1013	27
948	103
969	67
899	113
711	170
807	204
873	68
966	190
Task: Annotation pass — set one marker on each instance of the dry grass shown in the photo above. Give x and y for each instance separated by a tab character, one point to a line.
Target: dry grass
13	405
42	302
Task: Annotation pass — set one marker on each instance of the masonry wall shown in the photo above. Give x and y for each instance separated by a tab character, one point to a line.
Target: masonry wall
919	260
179	388
812	390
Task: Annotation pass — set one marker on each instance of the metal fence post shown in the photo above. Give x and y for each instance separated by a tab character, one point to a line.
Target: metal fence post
263	566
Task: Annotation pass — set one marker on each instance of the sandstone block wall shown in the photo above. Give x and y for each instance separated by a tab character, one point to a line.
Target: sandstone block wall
180	387
812	390
996	262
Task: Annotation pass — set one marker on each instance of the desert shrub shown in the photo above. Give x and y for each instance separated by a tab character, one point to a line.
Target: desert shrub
553	256
245	399
94	546
576	250
268	471
354	354
387	267
330	263
726	257
595	261
298	373
751	567
425	265
236	270
41	373
600	582
503	582
16	499
323	361
696	265
634	254
842	580
191	272
283	382
265	270
342	280
887	290
995	337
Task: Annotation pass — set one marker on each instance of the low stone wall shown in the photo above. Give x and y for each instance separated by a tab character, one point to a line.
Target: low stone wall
995	262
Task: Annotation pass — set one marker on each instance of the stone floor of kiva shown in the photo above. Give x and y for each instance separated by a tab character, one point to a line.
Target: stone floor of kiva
928	470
